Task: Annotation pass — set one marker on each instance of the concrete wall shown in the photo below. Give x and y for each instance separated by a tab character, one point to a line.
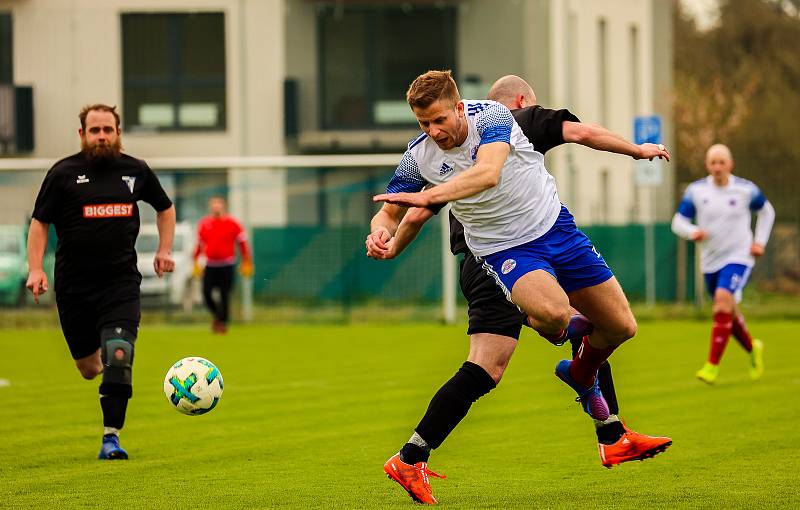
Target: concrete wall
577	73
555	45
301	61
70	52
489	50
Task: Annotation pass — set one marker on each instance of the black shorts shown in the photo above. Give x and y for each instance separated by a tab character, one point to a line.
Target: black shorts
489	310
84	314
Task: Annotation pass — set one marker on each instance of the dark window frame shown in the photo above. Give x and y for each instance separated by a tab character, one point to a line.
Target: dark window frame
176	79
369	57
7	42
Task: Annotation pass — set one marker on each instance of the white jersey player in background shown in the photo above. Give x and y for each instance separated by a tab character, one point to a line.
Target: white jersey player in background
722	206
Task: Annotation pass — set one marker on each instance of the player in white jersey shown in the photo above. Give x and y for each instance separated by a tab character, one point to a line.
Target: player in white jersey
496	322
477	158
722	206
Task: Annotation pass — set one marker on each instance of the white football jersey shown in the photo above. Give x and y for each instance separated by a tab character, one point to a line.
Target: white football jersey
522	207
725	214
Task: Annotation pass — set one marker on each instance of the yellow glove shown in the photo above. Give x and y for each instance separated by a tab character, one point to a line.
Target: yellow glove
246	269
197	270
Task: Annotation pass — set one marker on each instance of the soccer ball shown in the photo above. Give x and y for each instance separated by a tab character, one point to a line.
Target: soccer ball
193	385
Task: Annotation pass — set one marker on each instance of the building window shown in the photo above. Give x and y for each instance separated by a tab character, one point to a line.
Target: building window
173	71
6	62
369	55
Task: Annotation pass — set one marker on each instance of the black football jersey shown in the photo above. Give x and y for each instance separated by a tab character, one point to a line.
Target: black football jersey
93	207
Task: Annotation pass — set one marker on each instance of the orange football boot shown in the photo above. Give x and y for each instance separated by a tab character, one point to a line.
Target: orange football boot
412	478
632	446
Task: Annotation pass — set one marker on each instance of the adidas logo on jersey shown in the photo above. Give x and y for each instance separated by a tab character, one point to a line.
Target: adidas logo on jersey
445	168
81	179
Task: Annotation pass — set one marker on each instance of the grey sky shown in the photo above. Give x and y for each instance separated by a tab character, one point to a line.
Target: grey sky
704	11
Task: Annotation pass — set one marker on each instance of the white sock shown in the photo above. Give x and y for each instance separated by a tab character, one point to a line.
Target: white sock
417	440
611	419
110	430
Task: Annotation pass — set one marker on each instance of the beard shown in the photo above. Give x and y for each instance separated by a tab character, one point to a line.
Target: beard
97	152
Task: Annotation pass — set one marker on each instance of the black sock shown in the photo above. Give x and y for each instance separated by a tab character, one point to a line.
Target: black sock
606	383
113	411
411	454
451	403
610	432
114	403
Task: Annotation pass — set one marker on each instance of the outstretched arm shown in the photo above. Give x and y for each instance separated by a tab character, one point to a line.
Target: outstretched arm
600	138
484	174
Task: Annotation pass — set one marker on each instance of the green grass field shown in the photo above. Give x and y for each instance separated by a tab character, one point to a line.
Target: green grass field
310	414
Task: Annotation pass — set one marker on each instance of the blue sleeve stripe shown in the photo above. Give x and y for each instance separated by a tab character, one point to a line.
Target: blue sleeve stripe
416	141
686	208
494	124
407	178
758	200
400	184
496	134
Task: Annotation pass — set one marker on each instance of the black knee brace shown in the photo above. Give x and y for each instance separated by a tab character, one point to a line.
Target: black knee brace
116	349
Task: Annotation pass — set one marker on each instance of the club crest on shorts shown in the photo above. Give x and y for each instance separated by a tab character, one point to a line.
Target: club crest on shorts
508	266
130	181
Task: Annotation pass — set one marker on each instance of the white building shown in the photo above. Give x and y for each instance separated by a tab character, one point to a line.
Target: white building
274	77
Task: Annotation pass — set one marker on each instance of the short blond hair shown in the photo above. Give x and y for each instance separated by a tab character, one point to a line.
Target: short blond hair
432	86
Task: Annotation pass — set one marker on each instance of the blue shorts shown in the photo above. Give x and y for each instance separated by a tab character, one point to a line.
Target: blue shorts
564	251
732	278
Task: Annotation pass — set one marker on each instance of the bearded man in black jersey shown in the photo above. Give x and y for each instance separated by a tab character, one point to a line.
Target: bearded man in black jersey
90	198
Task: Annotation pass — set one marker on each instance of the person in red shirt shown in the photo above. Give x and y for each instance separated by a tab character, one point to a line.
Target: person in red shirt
217	235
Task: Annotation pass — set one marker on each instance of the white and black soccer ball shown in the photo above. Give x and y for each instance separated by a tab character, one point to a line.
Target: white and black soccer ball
193	385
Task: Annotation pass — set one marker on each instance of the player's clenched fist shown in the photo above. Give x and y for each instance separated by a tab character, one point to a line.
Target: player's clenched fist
376	242
37	283
163	263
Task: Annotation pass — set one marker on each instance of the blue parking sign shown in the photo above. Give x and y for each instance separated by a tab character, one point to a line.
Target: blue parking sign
647	129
